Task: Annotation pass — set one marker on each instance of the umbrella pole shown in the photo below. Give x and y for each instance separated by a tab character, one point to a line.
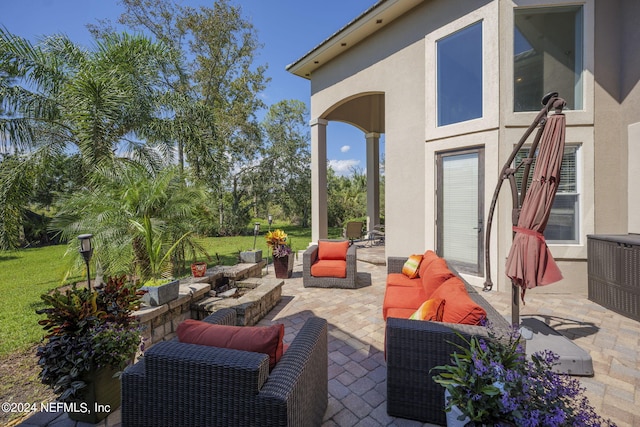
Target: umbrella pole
515	304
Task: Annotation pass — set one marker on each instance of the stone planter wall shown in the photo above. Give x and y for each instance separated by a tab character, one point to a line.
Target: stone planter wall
160	323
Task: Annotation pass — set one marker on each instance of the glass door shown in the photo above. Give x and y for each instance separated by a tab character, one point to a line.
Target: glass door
460	218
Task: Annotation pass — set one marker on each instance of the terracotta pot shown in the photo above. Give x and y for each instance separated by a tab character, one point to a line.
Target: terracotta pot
283	266
198	269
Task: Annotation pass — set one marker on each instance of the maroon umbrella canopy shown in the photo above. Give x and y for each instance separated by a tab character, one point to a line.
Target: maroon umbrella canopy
530	263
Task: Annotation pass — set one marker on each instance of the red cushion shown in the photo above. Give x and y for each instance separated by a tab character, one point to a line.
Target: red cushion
259	339
333	250
427	259
402	297
459	307
435	275
399	279
329	268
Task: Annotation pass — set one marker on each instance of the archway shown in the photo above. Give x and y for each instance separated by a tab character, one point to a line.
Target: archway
366	112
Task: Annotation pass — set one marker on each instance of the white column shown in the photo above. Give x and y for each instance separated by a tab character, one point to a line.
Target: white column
319	219
373	180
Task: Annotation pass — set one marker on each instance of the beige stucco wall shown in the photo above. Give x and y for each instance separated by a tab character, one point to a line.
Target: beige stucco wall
393	62
398	61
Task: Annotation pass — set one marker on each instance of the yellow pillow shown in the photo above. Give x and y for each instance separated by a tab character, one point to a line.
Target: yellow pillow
411	266
431	309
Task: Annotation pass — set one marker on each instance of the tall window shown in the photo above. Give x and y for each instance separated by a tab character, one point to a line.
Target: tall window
564	223
548	56
459	75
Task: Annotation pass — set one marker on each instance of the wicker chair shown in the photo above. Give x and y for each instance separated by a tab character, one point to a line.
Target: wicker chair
413	348
311	255
178	384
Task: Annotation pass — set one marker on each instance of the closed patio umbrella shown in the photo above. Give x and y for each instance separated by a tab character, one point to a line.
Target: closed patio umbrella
530	262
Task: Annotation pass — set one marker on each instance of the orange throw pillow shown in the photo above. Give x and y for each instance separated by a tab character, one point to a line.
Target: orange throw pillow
259	339
410	267
431	309
333	250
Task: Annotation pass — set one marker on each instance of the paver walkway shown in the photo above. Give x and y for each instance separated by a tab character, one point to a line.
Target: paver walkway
357	370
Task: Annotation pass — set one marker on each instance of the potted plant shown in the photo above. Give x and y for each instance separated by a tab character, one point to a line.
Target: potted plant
198	269
280	247
156	276
490	382
90	338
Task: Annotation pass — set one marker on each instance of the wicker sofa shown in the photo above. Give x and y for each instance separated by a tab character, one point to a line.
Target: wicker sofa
310	256
178	384
414	347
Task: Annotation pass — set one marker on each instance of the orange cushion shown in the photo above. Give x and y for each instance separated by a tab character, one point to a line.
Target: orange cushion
259	339
402	297
399	279
329	268
459	307
401	313
431	309
427	259
333	250
410	267
435	275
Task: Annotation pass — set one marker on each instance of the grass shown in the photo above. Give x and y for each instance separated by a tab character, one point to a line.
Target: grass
28	273
24	276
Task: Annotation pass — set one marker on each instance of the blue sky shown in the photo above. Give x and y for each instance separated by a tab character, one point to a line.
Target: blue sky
287	29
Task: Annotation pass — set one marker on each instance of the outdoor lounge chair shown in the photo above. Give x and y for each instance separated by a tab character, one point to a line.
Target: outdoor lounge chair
312	256
178	384
353	231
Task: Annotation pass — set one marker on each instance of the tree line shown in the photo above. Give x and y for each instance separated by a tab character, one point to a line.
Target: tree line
154	126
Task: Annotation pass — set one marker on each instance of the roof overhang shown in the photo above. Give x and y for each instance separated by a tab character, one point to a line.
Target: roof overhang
373	19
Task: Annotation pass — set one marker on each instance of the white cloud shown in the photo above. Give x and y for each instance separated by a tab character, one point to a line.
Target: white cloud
345	148
343	167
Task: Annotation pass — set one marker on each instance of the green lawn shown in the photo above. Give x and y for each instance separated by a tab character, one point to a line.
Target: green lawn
24	276
28	273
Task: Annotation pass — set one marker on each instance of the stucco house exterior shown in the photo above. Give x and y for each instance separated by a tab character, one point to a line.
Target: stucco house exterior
452	85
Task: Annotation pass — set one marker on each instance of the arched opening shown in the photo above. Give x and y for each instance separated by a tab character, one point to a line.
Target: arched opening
364	111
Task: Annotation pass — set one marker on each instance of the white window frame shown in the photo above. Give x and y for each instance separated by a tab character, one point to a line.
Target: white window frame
524	118
488	14
579	180
583	137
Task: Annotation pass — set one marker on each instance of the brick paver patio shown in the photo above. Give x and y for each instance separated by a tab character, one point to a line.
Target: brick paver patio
357	369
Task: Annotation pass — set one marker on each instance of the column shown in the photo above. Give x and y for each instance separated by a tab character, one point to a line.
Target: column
319	219
373	180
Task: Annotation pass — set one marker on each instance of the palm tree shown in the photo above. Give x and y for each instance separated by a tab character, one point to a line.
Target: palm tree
143	222
56	97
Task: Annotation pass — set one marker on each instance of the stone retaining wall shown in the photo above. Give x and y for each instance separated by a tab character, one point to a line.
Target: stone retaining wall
160	323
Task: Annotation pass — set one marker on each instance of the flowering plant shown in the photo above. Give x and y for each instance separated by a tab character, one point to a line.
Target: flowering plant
491	381
278	242
86	330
